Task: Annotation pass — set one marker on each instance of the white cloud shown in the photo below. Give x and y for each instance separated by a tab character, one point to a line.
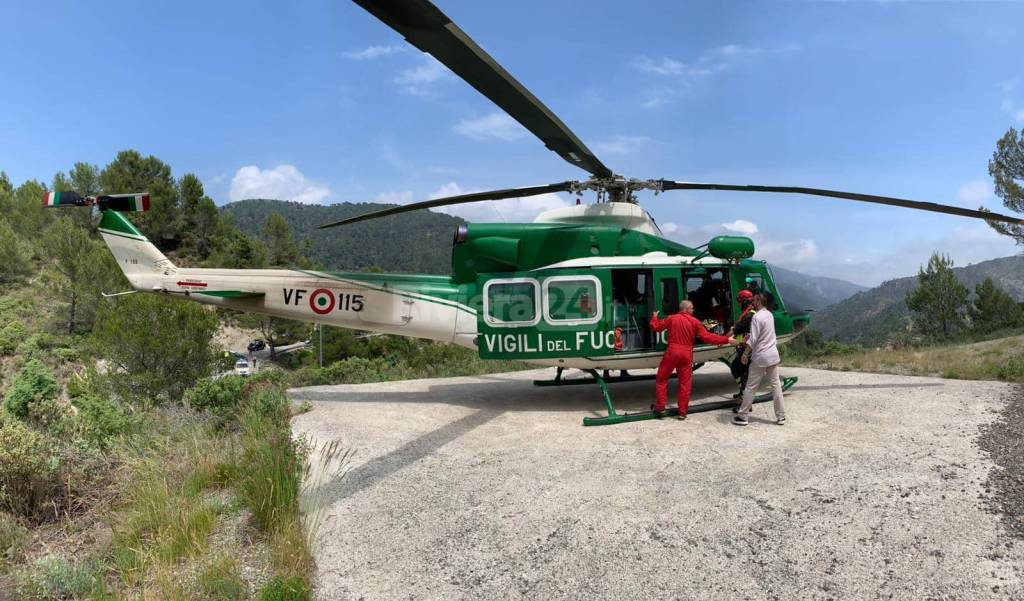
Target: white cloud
788	254
741	226
975	193
509	210
668	228
622	144
284	182
667	66
658	97
1008	102
420	80
395	198
682	74
496	126
371	52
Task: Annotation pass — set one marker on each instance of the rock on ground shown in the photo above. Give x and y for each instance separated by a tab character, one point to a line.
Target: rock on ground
490	488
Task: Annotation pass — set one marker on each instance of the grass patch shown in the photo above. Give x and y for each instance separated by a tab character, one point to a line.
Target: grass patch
285	589
1001	360
219	580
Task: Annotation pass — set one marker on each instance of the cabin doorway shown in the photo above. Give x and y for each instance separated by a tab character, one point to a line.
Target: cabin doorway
632	307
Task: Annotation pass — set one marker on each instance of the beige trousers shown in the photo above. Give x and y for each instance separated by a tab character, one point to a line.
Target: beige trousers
757	375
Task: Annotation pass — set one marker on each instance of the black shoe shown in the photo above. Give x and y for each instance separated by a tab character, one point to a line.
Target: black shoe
657	414
739	421
681	417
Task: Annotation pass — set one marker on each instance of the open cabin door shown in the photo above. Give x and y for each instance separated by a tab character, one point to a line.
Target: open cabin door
633	304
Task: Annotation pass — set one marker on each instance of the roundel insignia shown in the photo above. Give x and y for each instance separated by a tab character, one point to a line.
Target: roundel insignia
321	301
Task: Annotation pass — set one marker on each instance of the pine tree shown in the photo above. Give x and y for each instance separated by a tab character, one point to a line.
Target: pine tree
940	300
992	309
281	246
1007	170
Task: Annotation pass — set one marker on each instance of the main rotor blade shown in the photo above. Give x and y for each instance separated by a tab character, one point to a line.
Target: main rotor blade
455	200
882	200
430	30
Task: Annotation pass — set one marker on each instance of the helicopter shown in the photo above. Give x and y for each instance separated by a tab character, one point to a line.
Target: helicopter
574	289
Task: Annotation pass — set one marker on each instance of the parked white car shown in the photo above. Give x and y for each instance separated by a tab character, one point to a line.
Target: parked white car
242	367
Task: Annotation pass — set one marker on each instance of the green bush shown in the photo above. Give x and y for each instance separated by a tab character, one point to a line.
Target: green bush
36	346
216	396
52	415
54	577
33	383
11	336
285	589
13	539
28	469
101	420
66	354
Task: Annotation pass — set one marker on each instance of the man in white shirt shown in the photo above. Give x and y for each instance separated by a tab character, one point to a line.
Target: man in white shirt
763	355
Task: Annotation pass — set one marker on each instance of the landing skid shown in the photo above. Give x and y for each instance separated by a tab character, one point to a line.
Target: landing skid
614	417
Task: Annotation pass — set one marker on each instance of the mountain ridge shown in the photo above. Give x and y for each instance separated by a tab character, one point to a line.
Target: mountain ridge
872	316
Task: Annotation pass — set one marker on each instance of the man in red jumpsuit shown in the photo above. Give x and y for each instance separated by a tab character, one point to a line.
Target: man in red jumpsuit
683	330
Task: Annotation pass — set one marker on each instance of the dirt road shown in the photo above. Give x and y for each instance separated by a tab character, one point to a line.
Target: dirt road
489	488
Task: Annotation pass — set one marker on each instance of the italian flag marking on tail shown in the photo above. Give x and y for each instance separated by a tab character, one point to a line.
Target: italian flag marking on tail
51	199
128	202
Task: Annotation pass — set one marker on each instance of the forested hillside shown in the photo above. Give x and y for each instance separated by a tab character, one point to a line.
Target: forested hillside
873	316
802	291
416	242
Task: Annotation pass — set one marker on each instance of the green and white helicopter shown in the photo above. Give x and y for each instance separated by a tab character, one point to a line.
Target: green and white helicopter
573	289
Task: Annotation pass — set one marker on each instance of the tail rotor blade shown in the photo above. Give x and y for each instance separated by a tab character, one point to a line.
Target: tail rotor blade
67	199
124	203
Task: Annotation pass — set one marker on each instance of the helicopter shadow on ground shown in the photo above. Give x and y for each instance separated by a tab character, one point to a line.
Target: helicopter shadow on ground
517	394
504	394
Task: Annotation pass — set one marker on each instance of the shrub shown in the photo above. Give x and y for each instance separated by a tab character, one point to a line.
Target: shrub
33	383
54	577
13	539
28	469
285	589
11	336
36	346
52	415
66	354
101	419
216	396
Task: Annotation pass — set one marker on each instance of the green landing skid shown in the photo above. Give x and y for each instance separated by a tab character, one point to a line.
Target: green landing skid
558	381
619	418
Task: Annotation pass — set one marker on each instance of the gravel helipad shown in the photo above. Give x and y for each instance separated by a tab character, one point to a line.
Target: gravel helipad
490	488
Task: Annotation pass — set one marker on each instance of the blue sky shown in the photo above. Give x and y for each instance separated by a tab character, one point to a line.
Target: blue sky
320	102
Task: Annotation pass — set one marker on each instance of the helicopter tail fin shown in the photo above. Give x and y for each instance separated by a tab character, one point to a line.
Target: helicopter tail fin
141	261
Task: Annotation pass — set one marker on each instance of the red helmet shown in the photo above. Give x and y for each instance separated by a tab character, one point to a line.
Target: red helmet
745	296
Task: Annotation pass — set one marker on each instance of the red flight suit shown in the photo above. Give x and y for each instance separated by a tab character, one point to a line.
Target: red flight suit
683	330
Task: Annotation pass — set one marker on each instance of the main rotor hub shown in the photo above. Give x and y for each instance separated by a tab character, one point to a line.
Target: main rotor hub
616	188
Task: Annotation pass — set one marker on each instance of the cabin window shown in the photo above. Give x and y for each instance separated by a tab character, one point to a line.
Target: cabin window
755	283
572	300
511	302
